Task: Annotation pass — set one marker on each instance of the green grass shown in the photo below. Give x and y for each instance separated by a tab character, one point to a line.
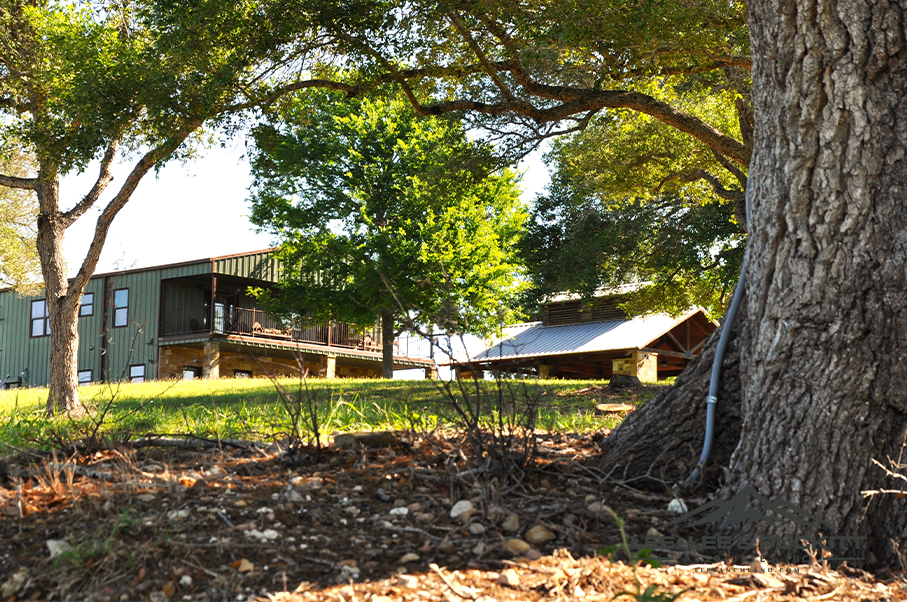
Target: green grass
251	409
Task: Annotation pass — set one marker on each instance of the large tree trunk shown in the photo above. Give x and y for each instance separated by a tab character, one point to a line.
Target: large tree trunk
827	332
62	302
824	337
660	443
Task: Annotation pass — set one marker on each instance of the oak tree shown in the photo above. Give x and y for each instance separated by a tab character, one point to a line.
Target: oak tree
384	215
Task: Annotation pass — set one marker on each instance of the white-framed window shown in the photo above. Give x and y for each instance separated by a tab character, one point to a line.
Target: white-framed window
86	308
137	373
85	377
40	322
242	374
191	373
121	307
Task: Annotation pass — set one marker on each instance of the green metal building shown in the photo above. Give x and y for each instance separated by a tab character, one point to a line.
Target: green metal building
186	320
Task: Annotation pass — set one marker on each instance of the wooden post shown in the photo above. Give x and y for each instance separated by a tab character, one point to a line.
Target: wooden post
331	366
545	371
431	373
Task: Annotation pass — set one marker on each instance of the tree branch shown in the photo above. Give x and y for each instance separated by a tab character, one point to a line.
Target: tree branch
483	59
104	178
701	174
22	183
149	160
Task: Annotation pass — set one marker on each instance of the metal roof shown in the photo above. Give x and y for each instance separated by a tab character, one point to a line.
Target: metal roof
535	340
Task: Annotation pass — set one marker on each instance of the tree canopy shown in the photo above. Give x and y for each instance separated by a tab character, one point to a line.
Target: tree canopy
381	213
19	266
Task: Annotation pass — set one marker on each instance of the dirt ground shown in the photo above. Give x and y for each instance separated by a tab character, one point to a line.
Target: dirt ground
230	523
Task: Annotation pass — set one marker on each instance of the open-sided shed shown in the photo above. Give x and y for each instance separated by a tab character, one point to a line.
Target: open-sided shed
649	347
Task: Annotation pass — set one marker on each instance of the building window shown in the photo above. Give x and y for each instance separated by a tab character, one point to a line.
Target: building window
191	373
121	307
137	373
40	323
242	374
87	306
85	377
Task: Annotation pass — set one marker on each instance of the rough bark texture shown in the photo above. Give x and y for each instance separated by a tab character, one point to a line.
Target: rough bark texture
61	304
827	331
824	337
660	443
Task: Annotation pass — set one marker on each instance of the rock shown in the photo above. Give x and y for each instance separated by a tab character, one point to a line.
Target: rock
509	578
623	381
178	514
538	534
264	536
365	439
462	510
399	511
354	511
653	532
677	506
243	566
511	523
476	528
347	574
532	554
595	508
58	546
424	517
410	581
349	562
14	584
445	547
414	507
409	557
516	546
185	581
294	496
591	498
479	549
146	497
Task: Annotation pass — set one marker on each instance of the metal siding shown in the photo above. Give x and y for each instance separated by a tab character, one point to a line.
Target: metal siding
18	350
258	266
126	346
185	270
91	329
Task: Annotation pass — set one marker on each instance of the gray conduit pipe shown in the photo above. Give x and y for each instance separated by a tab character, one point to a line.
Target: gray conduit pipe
712	398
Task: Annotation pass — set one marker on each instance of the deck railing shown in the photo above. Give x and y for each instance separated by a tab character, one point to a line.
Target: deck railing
259	324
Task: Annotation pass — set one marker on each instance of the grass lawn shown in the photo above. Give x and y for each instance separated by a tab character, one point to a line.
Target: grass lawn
252	408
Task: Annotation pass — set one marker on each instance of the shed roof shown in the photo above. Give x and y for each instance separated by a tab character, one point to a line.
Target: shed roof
535	340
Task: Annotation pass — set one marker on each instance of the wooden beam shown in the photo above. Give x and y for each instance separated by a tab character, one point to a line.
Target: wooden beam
666	352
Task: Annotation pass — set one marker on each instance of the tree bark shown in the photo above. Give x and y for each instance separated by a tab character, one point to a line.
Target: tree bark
62	303
819	373
387	344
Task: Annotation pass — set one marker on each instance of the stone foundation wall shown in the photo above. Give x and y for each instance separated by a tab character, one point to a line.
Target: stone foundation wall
174	359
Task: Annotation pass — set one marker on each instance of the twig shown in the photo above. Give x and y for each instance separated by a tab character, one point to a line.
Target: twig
224	518
453	587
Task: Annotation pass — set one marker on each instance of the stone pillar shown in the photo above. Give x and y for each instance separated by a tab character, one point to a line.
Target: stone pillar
211	360
431	373
545	370
330	366
641	364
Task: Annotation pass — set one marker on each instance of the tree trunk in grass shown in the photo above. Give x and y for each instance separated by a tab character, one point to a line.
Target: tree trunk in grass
820	356
387	344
